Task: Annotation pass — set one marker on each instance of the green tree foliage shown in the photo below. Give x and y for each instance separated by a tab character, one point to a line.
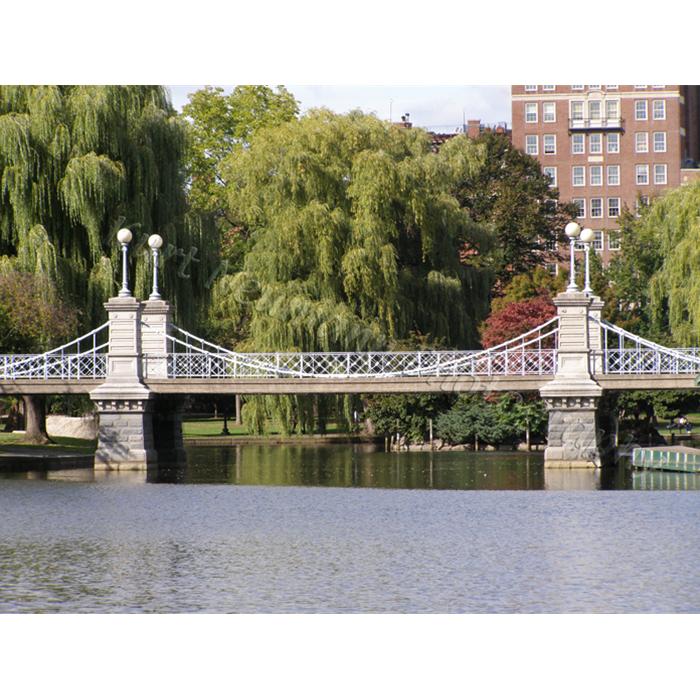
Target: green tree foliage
527	413
355	239
628	290
510	194
528	285
406	414
674	222
30	319
650	289
33	317
79	162
474	419
218	124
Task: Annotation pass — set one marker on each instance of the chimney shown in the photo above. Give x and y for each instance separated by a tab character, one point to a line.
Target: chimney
473	128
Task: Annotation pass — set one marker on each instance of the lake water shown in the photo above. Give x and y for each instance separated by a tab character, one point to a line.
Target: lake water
347	529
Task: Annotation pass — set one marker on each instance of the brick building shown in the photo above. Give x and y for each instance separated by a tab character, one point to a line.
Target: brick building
606	147
473	129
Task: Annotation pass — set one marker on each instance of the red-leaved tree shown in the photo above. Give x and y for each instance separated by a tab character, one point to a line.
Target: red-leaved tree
515	318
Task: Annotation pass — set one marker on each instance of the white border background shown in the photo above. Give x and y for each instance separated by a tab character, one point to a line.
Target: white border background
361	656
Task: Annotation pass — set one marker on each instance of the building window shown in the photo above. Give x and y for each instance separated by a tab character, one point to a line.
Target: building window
613	207
531	88
641	142
641	176
551	245
549	144
598	240
642	201
640	87
549	112
613	240
659	173
594	109
581	204
531	144
551	172
611	87
612	109
613	174
659	109
659	142
613	143
597	208
552	268
594	87
548	88
531	112
658	86
640	110
595	143
578	176
576	107
577	87
595	175
578	143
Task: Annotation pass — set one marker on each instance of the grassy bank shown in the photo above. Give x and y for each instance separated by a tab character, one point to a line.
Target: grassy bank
10	441
213	427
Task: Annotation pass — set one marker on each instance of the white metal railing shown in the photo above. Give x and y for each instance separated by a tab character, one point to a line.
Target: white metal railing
82	358
626	353
528	354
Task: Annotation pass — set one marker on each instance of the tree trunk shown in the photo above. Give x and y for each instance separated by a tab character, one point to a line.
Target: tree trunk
239	420
14	417
35	420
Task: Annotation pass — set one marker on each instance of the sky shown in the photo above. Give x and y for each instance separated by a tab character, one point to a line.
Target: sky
437	108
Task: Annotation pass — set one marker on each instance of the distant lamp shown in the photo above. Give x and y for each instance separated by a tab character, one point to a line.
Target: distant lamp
587	237
572	230
124	237
154	243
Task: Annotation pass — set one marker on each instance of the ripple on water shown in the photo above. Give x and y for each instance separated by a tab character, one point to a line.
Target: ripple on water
123	546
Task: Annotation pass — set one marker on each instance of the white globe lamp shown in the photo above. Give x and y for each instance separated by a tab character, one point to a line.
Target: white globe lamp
124	237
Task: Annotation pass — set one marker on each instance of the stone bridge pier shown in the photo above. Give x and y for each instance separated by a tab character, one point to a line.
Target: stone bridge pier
137	428
572	397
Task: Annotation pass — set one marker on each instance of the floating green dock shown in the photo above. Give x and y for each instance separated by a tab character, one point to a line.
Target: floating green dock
674	459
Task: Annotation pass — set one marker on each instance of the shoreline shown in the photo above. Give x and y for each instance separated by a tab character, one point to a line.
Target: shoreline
17	458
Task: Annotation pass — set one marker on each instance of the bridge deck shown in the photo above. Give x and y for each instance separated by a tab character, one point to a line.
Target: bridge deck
352	385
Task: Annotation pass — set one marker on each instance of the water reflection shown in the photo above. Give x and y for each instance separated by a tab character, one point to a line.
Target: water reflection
426	533
355	466
665	481
365	466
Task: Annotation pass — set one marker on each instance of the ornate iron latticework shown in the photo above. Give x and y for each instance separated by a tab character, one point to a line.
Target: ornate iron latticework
532	353
82	358
626	353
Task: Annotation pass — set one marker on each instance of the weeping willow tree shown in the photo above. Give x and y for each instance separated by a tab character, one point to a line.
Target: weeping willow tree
76	164
655	279
357	244
79	162
673	221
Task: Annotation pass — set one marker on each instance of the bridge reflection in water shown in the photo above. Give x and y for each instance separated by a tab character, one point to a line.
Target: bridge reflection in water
365	466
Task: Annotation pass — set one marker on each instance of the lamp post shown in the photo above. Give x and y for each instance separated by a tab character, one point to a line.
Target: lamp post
572	231
154	243
587	237
124	237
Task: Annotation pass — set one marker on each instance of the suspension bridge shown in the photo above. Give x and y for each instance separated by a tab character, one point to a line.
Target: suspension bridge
138	366
189	364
